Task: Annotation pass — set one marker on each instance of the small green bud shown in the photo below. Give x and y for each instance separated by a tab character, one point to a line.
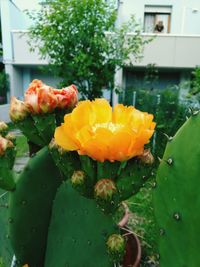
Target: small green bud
147	157
78	178
18	110
3	126
11	137
53	144
105	189
116	247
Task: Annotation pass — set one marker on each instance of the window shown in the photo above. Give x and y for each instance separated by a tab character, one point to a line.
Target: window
157	19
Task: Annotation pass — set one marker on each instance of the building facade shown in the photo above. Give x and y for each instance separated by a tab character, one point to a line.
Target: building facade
174	51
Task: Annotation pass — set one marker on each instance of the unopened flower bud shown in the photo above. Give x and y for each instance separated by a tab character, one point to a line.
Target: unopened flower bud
18	110
147	157
40	98
78	178
3	126
11	137
67	97
105	189
4	145
116	246
53	144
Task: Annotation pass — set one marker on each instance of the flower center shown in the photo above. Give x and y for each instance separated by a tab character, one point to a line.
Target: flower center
113	127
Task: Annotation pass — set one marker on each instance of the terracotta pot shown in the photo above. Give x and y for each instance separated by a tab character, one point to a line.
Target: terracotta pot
133	248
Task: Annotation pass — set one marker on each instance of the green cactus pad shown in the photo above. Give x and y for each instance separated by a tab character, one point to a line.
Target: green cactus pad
66	161
8	159
78	232
45	124
30	131
7	179
108	170
6	252
177	198
30	208
89	166
132	177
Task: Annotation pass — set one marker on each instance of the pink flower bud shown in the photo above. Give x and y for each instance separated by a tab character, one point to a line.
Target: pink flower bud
40	98
67	97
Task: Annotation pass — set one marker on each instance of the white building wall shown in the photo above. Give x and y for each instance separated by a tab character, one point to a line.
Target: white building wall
4	115
185	16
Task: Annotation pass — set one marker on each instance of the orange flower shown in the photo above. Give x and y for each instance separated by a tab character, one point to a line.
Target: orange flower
93	129
40	98
67	97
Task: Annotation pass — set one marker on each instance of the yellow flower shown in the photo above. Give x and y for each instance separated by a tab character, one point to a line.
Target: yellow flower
93	129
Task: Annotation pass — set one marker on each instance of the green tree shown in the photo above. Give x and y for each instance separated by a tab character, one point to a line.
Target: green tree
195	82
4	87
73	34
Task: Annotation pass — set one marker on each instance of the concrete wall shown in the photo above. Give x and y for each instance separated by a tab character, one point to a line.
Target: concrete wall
4	113
11	18
21	50
16	80
172	51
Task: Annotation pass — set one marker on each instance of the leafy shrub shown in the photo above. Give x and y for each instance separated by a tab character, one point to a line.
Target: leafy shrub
4	87
169	112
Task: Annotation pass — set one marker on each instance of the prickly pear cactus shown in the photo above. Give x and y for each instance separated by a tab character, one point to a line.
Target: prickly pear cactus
86	231
177	198
62	204
30	208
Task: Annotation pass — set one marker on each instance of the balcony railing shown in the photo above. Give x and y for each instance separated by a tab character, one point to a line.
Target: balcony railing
21	50
165	50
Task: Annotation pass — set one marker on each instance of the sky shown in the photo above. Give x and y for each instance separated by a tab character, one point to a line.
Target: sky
27	4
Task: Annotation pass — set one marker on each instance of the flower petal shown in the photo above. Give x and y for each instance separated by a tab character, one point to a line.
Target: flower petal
64	140
82	115
122	114
102	110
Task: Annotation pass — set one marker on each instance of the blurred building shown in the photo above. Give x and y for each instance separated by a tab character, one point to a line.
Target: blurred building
174	51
